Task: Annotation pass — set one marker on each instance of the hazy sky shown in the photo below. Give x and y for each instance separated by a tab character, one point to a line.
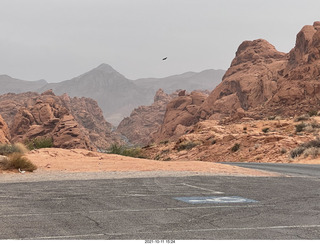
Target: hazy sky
57	40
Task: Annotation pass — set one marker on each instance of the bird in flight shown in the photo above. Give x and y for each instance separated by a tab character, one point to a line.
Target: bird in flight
165	58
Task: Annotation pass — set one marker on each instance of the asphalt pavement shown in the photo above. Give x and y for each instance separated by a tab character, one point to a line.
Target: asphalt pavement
303	170
162	208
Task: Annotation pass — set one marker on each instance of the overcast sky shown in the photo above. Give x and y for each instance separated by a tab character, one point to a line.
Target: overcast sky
57	40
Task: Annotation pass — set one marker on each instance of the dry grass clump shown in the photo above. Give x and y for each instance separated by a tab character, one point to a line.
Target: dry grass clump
17	161
186	145
7	149
310	148
11	157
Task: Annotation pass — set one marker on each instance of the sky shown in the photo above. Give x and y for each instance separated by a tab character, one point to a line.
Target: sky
57	40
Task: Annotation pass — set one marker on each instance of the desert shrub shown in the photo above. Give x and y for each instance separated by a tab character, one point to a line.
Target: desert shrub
297	152
312	143
187	145
165	142
265	130
235	147
157	157
115	149
135	152
302	118
39	142
304	146
6	149
312	151
300	127
283	151
313	113
18	161
315	125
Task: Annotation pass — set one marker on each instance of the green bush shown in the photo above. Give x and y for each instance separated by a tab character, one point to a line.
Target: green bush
18	161
39	142
235	147
124	151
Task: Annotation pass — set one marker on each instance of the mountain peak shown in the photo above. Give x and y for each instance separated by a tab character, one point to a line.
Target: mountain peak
106	68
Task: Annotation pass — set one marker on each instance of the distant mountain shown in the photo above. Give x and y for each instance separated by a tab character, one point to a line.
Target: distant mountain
190	81
9	84
116	95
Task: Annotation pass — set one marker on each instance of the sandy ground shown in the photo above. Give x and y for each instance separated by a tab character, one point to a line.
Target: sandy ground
79	160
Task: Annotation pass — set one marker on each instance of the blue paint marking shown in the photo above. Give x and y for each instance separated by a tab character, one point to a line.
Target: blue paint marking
217	200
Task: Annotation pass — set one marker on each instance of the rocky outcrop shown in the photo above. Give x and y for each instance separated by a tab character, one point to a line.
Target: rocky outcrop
70	122
246	140
90	117
180	115
4	132
145	120
263	81
260	82
46	116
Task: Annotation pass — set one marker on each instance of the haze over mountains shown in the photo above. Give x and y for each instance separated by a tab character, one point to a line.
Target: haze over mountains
116	95
9	84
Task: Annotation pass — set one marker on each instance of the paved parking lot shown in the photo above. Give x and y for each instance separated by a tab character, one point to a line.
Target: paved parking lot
150	208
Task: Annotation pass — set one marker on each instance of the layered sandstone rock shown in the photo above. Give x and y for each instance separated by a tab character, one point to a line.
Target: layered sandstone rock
181	113
260	82
70	122
90	117
264	81
4	132
145	120
46	116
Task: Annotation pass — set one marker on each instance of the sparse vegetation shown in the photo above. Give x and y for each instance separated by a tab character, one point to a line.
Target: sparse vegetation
302	118
39	142
300	127
16	160
265	130
187	145
313	113
165	142
283	151
315	144
135	152
235	147
7	149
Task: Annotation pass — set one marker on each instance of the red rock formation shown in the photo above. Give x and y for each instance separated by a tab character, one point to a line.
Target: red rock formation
261	81
90	117
264	81
46	116
70	122
180	114
4	132
145	120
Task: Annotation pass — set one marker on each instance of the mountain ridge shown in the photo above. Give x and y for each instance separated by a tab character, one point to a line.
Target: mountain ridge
117	95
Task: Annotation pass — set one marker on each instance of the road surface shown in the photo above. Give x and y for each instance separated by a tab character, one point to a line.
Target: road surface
162	208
